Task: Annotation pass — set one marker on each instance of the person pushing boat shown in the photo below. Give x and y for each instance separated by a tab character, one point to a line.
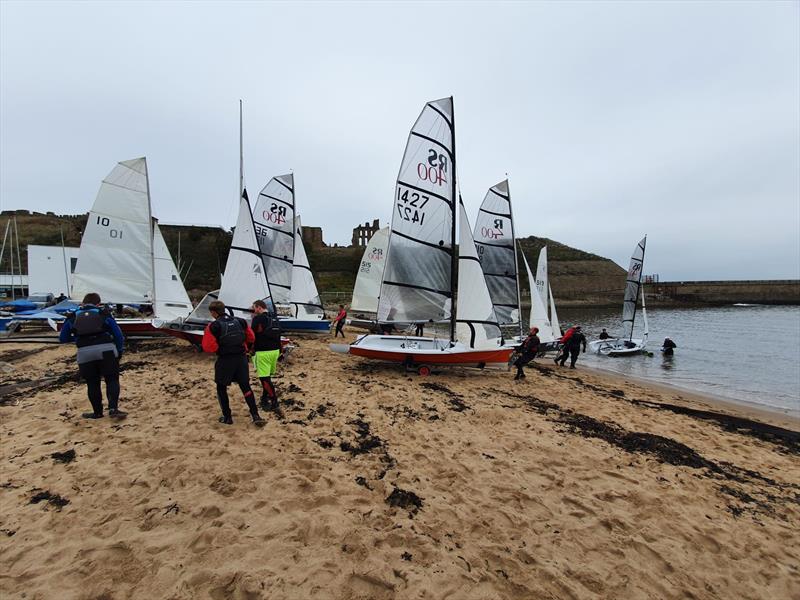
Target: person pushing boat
229	337
528	351
100	344
267	350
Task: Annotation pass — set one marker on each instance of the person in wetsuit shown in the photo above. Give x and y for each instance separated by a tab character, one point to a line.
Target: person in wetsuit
339	320
668	347
229	337
100	344
528	351
603	334
267	350
572	347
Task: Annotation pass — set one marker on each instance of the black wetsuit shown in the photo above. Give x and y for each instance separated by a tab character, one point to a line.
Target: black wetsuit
268	337
529	349
231	365
669	347
573	348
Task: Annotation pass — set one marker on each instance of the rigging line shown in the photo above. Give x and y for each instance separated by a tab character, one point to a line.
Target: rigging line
434	141
432	245
446	294
441	114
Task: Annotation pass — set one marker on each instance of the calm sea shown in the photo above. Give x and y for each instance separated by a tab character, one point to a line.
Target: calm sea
749	353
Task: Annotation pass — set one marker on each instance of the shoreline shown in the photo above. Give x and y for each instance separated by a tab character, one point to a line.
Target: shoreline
765	413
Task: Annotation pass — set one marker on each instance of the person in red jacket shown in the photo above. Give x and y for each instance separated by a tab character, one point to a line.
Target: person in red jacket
562	343
230	338
339	320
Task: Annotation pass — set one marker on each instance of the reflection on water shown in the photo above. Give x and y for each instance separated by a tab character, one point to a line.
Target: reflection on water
747	353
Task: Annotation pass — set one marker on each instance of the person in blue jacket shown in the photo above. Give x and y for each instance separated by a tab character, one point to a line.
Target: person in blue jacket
100	344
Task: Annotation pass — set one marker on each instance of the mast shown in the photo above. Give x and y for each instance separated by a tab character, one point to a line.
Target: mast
453	258
516	260
241	153
152	233
19	258
11	253
64	258
3	247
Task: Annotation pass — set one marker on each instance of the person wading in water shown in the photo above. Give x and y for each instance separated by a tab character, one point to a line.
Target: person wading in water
100	343
230	338
572	347
267	350
528	349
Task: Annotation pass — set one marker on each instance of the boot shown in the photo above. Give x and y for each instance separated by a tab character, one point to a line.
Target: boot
226	420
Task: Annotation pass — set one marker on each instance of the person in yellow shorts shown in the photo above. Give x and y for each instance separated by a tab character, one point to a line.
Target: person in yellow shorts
267	349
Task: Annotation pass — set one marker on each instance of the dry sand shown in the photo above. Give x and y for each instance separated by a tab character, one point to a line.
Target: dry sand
381	484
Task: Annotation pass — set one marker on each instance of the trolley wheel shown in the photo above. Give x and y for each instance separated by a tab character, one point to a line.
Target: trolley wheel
423	371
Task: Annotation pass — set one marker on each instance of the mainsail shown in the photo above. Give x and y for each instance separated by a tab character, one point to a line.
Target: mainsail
172	302
115	259
476	321
273	215
538	311
632	284
244	280
494	239
370	274
554	316
418	282
542	284
303	296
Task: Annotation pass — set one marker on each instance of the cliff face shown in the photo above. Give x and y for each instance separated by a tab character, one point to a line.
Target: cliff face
576	276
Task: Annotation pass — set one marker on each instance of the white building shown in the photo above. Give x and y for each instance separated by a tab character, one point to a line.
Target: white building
50	269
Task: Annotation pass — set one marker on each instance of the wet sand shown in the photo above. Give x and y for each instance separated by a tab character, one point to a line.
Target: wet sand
376	483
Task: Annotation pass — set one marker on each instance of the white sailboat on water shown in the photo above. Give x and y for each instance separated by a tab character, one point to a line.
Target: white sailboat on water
543	308
281	249
418	284
123	256
626	344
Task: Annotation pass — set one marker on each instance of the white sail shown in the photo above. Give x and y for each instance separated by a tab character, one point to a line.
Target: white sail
542	284
172	302
115	259
273	215
304	296
244	280
554	316
633	282
538	311
494	239
370	274
417	282
476	321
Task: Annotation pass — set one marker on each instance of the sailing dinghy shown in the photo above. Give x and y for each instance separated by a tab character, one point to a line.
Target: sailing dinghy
418	284
495	242
627	345
123	256
541	299
364	304
281	247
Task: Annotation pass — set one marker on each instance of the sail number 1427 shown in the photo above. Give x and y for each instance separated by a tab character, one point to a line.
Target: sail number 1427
410	205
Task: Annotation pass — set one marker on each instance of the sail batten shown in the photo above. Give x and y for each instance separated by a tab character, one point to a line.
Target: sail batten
417	284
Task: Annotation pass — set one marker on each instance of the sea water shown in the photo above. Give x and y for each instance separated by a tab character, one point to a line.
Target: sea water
747	353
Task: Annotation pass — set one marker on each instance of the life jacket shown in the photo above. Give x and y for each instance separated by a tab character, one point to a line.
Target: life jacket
89	325
567	335
230	335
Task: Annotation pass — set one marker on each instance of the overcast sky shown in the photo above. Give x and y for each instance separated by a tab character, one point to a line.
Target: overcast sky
676	119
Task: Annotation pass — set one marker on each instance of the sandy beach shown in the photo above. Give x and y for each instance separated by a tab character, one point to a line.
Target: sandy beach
377	483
